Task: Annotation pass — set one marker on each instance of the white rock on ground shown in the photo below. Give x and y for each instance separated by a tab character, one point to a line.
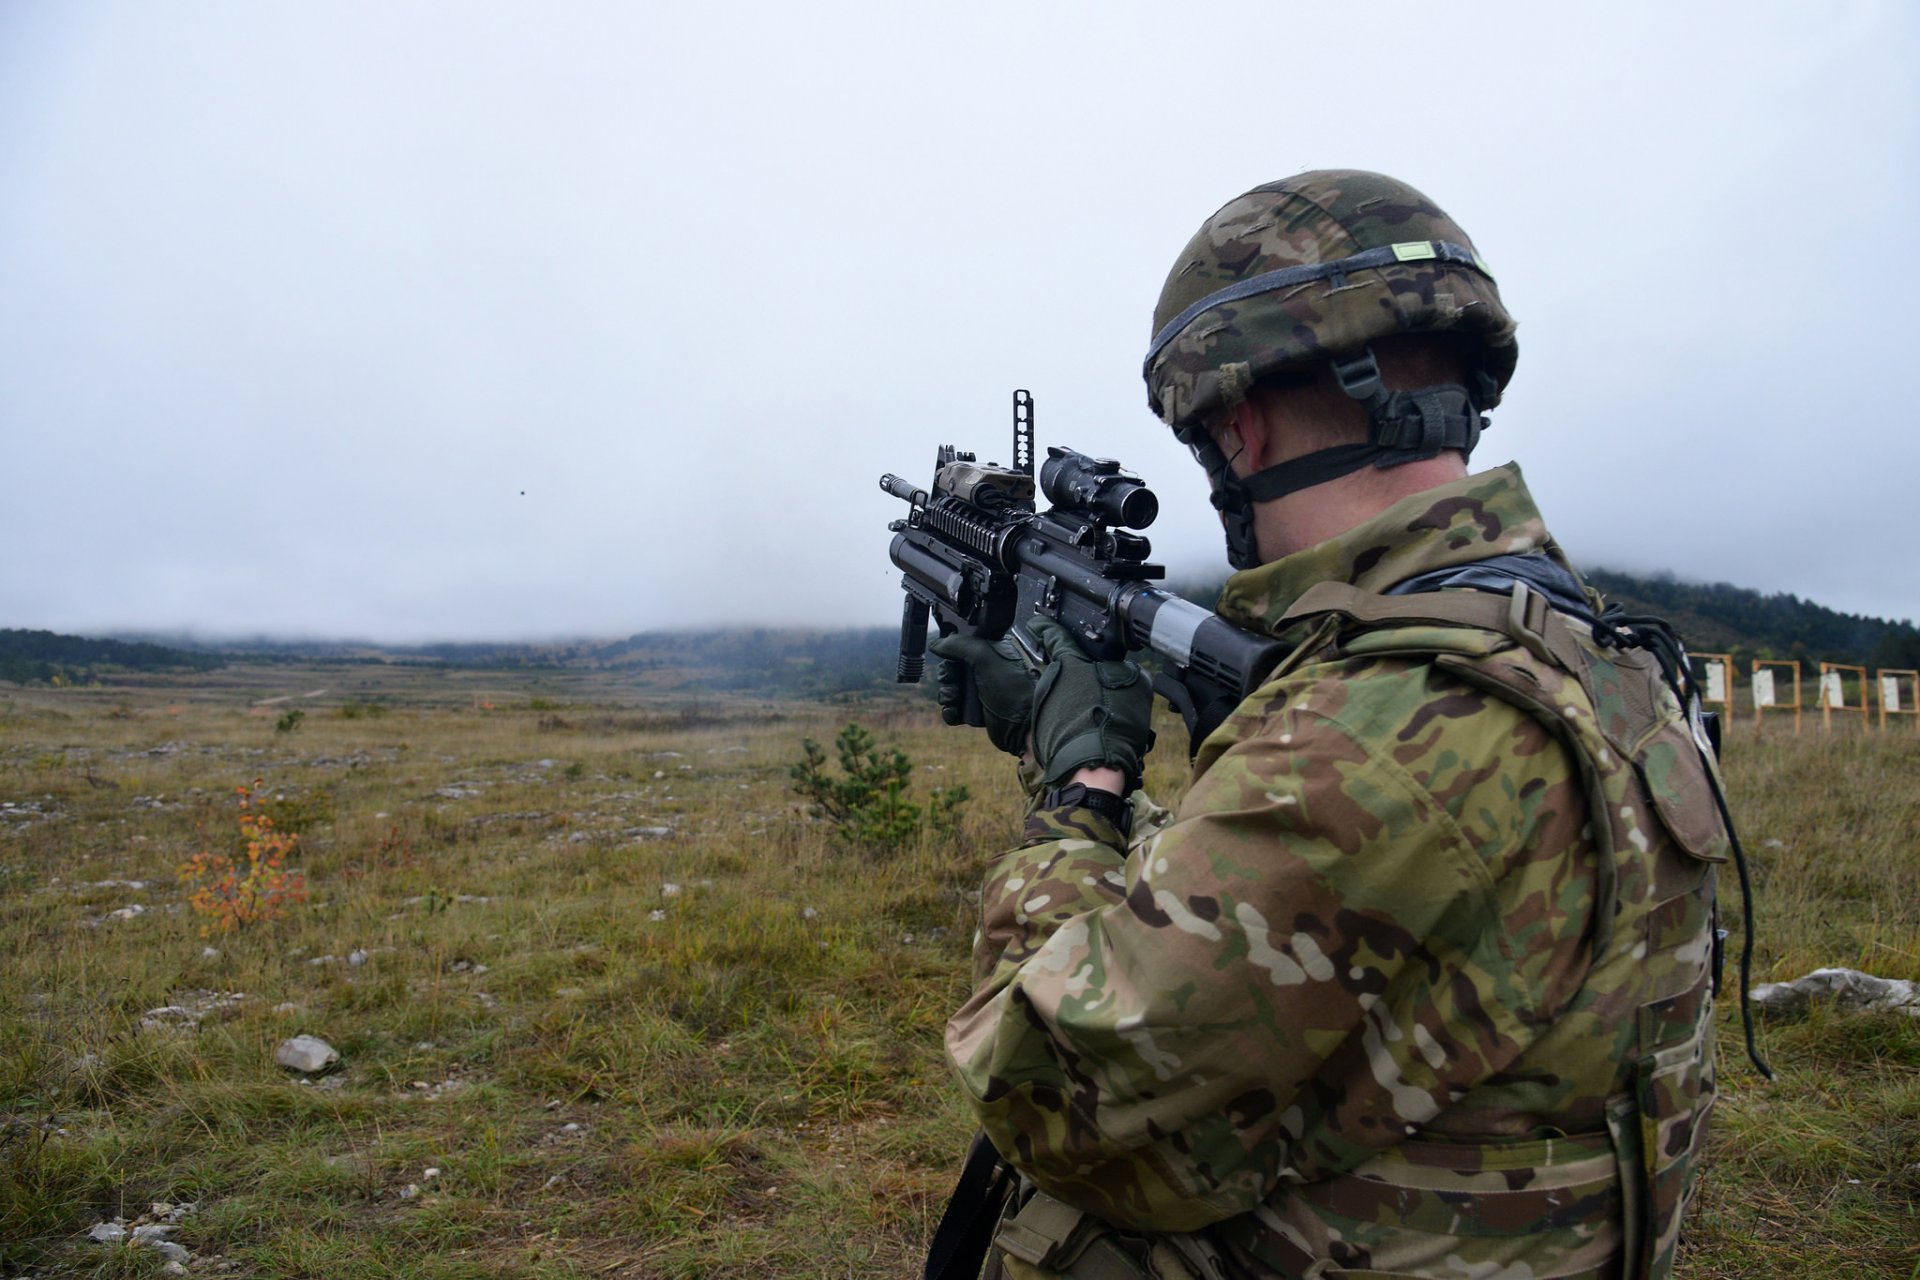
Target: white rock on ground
107	1233
306	1054
1847	990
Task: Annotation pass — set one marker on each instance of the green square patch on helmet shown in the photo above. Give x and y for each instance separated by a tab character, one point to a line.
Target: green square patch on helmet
1311	268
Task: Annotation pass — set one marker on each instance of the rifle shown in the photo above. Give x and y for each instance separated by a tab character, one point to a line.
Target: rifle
978	556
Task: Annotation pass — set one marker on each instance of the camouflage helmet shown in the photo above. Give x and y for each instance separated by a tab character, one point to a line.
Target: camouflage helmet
1309	268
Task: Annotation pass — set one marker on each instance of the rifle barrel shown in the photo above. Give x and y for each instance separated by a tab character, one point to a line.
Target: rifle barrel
905	490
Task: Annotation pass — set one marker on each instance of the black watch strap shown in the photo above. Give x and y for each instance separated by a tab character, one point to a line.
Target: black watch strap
1078	795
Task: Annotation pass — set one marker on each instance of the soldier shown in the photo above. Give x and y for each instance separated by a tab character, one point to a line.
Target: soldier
1418	978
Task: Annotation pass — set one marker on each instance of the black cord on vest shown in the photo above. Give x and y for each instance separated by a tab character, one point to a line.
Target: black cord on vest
1619	629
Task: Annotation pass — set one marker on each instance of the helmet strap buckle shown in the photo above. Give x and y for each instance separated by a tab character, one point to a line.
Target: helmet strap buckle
1359	376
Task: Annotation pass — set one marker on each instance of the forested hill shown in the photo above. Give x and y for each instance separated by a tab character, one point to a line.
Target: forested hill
1715	617
51	658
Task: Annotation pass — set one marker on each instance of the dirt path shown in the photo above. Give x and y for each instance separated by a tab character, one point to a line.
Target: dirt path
289	697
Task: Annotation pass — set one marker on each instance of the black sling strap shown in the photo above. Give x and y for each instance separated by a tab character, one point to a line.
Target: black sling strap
959	1247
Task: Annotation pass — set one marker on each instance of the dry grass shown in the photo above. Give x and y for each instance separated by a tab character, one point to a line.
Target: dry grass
755	1073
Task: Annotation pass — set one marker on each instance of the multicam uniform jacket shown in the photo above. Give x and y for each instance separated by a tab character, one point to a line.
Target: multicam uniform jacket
1416	980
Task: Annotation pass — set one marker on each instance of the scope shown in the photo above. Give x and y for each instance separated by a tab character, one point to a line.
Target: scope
1097	486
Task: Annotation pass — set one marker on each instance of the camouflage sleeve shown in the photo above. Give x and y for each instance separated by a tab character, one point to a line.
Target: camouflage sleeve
1070	862
1312	961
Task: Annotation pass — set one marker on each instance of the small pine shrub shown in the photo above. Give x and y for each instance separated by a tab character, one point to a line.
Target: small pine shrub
289	721
868	802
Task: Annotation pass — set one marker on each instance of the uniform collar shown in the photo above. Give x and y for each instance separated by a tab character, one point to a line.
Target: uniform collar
1482	515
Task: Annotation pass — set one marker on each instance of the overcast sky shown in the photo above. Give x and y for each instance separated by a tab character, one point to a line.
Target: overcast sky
468	320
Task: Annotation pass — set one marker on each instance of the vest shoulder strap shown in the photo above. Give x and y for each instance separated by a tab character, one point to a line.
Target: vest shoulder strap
1524	616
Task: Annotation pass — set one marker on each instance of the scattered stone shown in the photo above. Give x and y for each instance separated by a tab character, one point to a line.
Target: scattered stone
356	957
668	890
135	886
809	914
656	916
429	1174
553	1104
320	960
152	1232
460	792
127	913
659	773
553	1182
209	953
423	1046
650	833
306	1054
106	1233
171	1017
1846	990
174	1267
410	1192
286	1009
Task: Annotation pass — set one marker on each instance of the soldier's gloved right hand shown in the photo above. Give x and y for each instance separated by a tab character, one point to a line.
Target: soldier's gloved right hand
1004	683
1087	713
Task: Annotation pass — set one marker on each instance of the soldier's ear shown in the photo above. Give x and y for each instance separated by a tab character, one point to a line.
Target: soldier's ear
1251	443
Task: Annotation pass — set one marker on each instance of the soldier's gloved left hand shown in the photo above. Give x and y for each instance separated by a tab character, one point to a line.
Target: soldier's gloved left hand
1002	680
1087	713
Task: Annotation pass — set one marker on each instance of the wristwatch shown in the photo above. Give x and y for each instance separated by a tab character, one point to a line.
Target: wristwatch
1078	795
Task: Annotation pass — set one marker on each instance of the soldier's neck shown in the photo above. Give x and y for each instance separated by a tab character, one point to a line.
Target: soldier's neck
1309	517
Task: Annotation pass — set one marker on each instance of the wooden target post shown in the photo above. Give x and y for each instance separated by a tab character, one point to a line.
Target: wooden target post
1766	690
1833	694
1716	681
1899	693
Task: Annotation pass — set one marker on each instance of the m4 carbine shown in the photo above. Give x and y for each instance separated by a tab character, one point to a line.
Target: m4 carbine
978	555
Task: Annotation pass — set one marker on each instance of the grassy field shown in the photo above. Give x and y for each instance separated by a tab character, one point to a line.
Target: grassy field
608	1004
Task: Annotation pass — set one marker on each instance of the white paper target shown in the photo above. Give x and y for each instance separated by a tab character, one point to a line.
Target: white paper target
1832	691
1890	692
1716	682
1763	688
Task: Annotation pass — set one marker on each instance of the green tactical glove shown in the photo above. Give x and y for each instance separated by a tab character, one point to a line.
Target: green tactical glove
1004	683
1088	713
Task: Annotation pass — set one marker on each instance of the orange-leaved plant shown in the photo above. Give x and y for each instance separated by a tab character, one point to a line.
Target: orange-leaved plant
231	892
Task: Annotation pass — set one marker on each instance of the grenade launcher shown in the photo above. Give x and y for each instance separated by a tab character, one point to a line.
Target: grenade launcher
978	555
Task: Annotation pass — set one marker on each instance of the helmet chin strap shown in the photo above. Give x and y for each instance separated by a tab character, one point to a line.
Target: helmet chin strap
1405	426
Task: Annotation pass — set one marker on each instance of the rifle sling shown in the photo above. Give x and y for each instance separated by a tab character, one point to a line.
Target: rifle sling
959	1247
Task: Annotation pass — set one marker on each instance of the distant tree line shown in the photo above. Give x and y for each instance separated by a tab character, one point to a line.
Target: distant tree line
1720	617
761	659
47	657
